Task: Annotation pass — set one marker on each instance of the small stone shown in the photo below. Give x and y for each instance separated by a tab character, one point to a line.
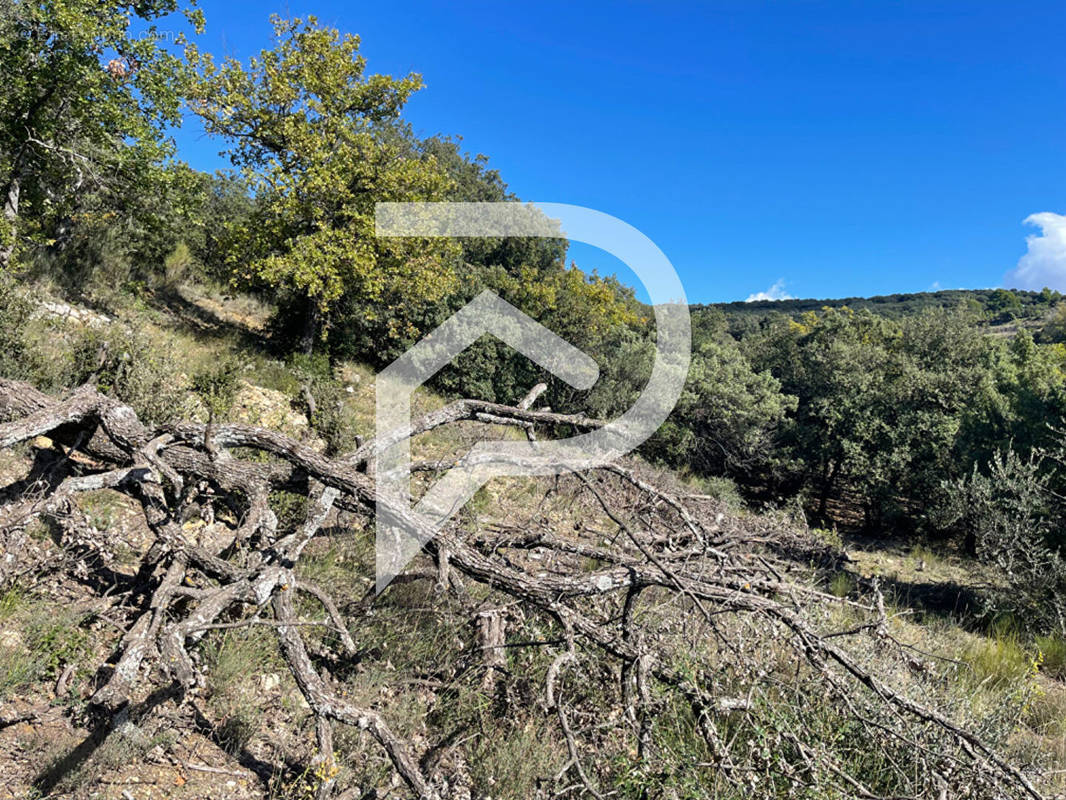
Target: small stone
10	640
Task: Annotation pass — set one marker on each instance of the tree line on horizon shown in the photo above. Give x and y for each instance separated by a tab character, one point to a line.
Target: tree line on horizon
997	305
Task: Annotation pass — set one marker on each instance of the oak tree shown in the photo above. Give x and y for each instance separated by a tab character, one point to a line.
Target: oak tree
321	141
89	91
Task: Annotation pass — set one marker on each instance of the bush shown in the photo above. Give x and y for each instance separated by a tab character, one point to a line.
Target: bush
842	584
324	400
723	490
217	386
14	314
179	267
310	366
1010	516
125	364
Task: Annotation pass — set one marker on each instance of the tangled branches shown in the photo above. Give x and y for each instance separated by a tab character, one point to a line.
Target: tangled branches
679	648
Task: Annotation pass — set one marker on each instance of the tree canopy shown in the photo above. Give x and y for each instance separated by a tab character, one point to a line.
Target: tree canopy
321	141
86	103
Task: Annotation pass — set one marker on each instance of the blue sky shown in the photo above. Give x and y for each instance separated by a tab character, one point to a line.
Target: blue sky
828	148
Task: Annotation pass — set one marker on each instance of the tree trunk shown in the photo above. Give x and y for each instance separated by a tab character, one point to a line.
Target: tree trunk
312	321
829	476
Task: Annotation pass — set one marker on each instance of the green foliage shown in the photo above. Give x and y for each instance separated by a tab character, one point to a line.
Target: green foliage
40	640
222	211
997	663
834	365
728	415
842	584
325	401
140	238
987	303
1052	650
332	419
590	312
178	266
722	489
1003	305
217	386
320	143
15	312
1014	521
127	365
291	509
1054	330
310	366
89	91
886	410
233	662
513	760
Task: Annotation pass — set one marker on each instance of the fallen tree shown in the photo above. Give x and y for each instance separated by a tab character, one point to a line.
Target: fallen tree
677	611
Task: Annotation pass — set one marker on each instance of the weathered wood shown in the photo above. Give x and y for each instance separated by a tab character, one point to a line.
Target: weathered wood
663	548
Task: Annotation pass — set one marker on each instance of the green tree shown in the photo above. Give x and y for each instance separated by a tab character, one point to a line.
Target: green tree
320	142
887	411
939	379
109	240
1003	305
595	313
833	363
728	416
1054	330
1012	517
85	105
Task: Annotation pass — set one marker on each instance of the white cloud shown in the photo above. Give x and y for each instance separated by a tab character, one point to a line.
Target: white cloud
775	292
1045	263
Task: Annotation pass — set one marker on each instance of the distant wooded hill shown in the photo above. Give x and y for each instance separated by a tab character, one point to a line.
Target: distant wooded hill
999	305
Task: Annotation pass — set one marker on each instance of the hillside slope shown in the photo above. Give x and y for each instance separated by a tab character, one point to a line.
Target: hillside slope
619	632
998	304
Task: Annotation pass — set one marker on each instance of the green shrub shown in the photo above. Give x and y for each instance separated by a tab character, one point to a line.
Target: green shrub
332	419
14	314
1012	516
310	366
217	385
125	364
179	266
723	490
842	584
289	508
830	537
327	410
